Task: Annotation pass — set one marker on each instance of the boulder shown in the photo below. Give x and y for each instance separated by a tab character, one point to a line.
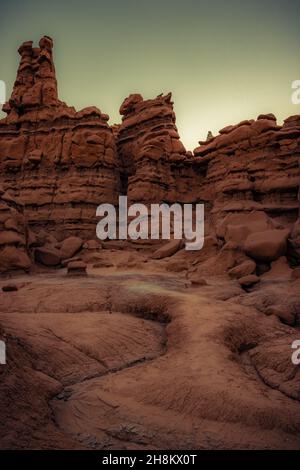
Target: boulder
60	197
196	280
243	269
168	249
70	246
279	271
176	266
65	262
48	256
268	245
12	257
237	226
11	224
248	281
77	268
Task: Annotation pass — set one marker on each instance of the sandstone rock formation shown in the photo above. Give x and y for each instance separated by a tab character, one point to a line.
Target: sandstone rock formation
154	163
157	347
60	163
13	236
252	182
253	166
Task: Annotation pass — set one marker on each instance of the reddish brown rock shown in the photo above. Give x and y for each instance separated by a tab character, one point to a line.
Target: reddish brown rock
197	280
296	273
168	249
253	166
10	288
283	312
13	235
248	281
243	269
92	245
48	256
77	268
154	164
70	246
60	163
279	270
268	245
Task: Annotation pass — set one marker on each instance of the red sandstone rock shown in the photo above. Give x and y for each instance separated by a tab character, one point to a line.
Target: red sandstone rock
61	163
13	235
168	249
64	163
92	245
10	288
283	312
77	268
268	245
279	271
70	246
237	226
296	273
243	269
153	160
48	256
102	263
12	258
196	280
295	241
248	281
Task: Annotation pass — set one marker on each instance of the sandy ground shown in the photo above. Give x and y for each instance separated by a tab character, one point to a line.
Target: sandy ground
139	359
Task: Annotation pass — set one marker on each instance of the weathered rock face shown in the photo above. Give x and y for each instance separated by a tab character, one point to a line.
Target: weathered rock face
154	163
253	166
60	163
252	171
13	236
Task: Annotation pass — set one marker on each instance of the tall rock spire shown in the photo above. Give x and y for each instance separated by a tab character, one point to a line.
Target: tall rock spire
35	85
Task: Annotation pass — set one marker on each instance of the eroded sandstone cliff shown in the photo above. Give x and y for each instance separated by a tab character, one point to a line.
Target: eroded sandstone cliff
60	163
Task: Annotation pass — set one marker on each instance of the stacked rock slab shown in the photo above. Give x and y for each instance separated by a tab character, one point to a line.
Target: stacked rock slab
155	166
60	163
13	236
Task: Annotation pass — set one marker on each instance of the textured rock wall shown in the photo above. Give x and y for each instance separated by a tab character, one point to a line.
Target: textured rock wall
13	236
60	163
155	165
253	166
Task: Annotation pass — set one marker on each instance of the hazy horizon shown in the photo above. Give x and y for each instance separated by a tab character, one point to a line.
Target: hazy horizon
223	62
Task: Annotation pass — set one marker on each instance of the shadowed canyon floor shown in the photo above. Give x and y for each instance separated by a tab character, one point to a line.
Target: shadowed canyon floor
141	359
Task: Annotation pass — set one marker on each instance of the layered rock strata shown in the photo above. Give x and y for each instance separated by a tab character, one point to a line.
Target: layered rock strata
60	163
155	166
14	238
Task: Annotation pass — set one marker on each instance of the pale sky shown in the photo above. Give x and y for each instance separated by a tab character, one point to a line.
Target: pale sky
223	61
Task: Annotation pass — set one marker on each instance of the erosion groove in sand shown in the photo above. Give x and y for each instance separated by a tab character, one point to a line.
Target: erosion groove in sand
177	380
